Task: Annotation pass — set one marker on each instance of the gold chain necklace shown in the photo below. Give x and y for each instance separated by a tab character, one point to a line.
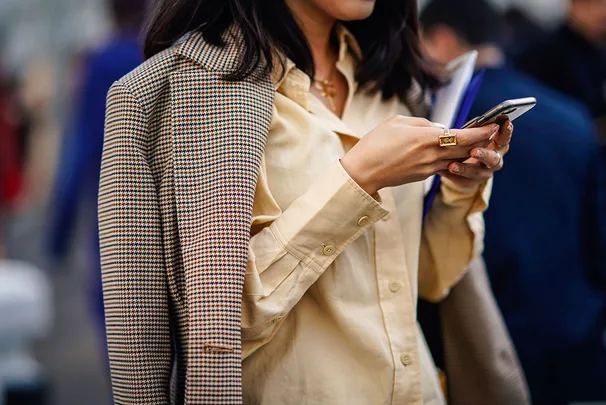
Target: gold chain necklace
328	90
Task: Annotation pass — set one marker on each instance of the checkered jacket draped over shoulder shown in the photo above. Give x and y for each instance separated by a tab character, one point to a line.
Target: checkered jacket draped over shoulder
181	158
180	164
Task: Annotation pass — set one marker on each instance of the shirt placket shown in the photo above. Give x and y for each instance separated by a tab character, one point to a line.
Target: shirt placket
397	305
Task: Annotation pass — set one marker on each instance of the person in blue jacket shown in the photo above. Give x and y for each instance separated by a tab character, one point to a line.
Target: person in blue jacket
572	59
79	166
545	245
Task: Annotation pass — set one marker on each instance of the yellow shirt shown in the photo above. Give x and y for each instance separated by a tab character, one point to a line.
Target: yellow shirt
329	307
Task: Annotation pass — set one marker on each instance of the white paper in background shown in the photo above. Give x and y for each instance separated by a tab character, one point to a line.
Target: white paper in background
448	98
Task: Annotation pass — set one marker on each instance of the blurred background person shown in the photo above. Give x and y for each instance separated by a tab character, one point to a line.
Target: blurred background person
519	31
10	157
37	40
573	59
79	166
545	229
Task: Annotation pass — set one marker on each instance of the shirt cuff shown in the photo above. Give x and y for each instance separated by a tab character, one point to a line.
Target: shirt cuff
321	223
476	198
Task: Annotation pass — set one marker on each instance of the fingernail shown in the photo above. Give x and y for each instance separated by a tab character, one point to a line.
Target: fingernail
478	154
495	129
457	169
510	127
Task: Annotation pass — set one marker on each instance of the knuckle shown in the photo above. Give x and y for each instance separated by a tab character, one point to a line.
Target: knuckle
425	122
393	119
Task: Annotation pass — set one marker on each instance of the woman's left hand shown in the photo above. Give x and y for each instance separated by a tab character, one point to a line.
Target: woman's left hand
483	161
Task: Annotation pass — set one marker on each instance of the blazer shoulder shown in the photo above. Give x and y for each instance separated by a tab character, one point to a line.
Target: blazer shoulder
149	81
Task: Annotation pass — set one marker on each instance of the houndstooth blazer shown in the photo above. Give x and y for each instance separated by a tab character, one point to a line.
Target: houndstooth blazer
181	158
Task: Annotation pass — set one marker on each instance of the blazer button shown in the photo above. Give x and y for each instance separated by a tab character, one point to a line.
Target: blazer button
329	250
363	221
406	359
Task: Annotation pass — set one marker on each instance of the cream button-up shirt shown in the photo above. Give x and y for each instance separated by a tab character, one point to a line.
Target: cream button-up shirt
329	307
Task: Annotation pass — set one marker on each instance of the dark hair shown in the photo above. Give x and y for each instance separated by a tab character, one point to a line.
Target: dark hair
389	38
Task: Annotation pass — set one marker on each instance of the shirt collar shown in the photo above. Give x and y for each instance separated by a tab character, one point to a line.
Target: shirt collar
347	44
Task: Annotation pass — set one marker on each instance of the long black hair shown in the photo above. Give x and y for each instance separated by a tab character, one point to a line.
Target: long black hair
389	38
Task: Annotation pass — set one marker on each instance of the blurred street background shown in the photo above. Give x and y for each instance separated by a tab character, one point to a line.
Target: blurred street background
46	48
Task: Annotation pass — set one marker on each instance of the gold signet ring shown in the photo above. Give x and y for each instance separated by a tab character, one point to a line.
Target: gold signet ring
447	138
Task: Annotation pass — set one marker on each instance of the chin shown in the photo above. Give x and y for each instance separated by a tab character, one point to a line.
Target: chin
352	10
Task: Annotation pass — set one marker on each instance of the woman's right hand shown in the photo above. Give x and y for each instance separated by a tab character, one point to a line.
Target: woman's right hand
405	150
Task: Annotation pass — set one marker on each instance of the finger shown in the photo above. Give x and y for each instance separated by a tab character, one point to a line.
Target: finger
468	137
490	158
472	172
417	122
502	138
462	152
458	180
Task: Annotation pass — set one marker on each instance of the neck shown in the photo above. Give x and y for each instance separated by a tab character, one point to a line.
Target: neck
317	27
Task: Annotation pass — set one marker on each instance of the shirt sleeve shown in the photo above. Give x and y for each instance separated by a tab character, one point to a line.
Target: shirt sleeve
453	234
293	248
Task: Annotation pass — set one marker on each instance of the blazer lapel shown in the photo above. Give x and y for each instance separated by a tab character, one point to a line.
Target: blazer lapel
219	134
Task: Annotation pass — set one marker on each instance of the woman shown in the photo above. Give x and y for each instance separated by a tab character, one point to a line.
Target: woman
261	206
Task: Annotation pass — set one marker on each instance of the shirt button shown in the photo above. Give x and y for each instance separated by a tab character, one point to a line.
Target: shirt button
394	286
406	359
363	221
329	250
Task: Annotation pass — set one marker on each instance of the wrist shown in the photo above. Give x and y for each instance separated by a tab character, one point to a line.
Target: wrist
361	176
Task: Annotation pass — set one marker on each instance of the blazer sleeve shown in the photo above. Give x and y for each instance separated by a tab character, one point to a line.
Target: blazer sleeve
133	270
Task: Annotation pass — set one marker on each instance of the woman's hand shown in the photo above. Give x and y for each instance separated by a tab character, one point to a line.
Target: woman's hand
404	150
483	162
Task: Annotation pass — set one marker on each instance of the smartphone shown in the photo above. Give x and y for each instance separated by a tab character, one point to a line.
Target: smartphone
512	109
